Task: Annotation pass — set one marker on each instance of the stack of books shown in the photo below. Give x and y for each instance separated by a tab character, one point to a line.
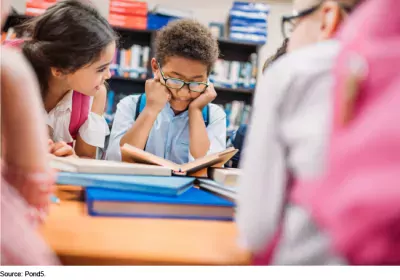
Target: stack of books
147	186
248	22
223	182
128	14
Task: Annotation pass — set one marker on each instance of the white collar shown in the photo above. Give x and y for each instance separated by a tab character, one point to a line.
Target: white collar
65	103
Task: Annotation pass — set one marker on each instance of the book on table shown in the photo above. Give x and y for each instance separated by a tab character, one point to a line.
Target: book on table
158	185
198	167
82	165
192	204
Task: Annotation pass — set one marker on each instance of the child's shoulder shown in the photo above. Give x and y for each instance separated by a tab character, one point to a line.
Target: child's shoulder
216	107
216	110
129	101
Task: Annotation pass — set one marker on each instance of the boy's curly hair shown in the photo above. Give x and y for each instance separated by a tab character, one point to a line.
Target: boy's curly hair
189	39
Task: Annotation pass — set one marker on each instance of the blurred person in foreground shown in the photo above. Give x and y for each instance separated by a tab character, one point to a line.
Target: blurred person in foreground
289	131
239	137
26	178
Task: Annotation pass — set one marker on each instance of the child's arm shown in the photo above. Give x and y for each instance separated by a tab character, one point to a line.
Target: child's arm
22	118
24	132
263	185
198	136
157	96
83	149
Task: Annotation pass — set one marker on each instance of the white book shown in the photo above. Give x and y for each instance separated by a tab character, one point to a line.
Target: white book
226	176
234	73
122	62
135	61
234	118
145	57
80	165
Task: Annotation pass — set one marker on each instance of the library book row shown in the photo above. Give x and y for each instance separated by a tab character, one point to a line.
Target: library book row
135	61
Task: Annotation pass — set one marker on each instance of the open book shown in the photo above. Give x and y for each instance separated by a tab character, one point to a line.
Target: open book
133	154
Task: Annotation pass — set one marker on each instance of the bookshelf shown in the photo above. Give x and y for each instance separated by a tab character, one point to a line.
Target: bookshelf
230	50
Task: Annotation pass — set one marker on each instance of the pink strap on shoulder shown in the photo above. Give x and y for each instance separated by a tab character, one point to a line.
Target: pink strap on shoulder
80	112
17	43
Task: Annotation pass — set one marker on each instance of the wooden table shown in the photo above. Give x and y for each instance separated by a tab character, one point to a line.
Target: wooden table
78	238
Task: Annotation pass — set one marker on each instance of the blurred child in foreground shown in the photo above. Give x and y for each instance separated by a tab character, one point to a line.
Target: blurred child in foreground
289	130
26	178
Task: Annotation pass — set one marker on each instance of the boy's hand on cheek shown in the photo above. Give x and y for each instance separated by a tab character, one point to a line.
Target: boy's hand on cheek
204	99
157	95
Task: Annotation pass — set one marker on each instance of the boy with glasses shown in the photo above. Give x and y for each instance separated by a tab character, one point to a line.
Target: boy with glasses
287	138
172	123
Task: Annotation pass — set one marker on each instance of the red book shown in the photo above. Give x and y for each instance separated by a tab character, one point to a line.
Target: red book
124	7
127	3
35	4
134	22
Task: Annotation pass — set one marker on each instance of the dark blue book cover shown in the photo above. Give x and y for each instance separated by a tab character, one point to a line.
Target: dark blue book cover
192	204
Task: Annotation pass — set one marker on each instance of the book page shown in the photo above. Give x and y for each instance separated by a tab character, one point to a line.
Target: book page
225	156
216	160
133	154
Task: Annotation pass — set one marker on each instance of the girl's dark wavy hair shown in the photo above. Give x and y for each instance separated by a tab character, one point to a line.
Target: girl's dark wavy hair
281	51
67	36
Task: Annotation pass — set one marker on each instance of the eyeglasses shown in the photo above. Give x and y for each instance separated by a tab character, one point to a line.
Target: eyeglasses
289	22
174	83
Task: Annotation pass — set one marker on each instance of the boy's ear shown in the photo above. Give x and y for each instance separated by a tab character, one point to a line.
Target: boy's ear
332	17
154	65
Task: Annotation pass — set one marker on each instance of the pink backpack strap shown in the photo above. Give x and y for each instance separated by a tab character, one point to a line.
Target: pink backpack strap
79	113
17	43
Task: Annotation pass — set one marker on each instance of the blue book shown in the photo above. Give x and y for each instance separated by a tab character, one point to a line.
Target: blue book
168	186
193	204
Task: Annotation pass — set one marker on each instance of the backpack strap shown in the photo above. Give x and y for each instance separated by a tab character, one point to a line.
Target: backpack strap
15	43
206	114
142	103
79	113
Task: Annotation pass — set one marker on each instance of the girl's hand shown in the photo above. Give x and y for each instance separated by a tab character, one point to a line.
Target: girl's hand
61	149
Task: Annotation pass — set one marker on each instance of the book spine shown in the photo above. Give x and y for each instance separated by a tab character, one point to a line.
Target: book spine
254	70
134	22
145	59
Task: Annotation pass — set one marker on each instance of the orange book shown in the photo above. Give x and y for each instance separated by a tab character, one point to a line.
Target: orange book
197	167
127	60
